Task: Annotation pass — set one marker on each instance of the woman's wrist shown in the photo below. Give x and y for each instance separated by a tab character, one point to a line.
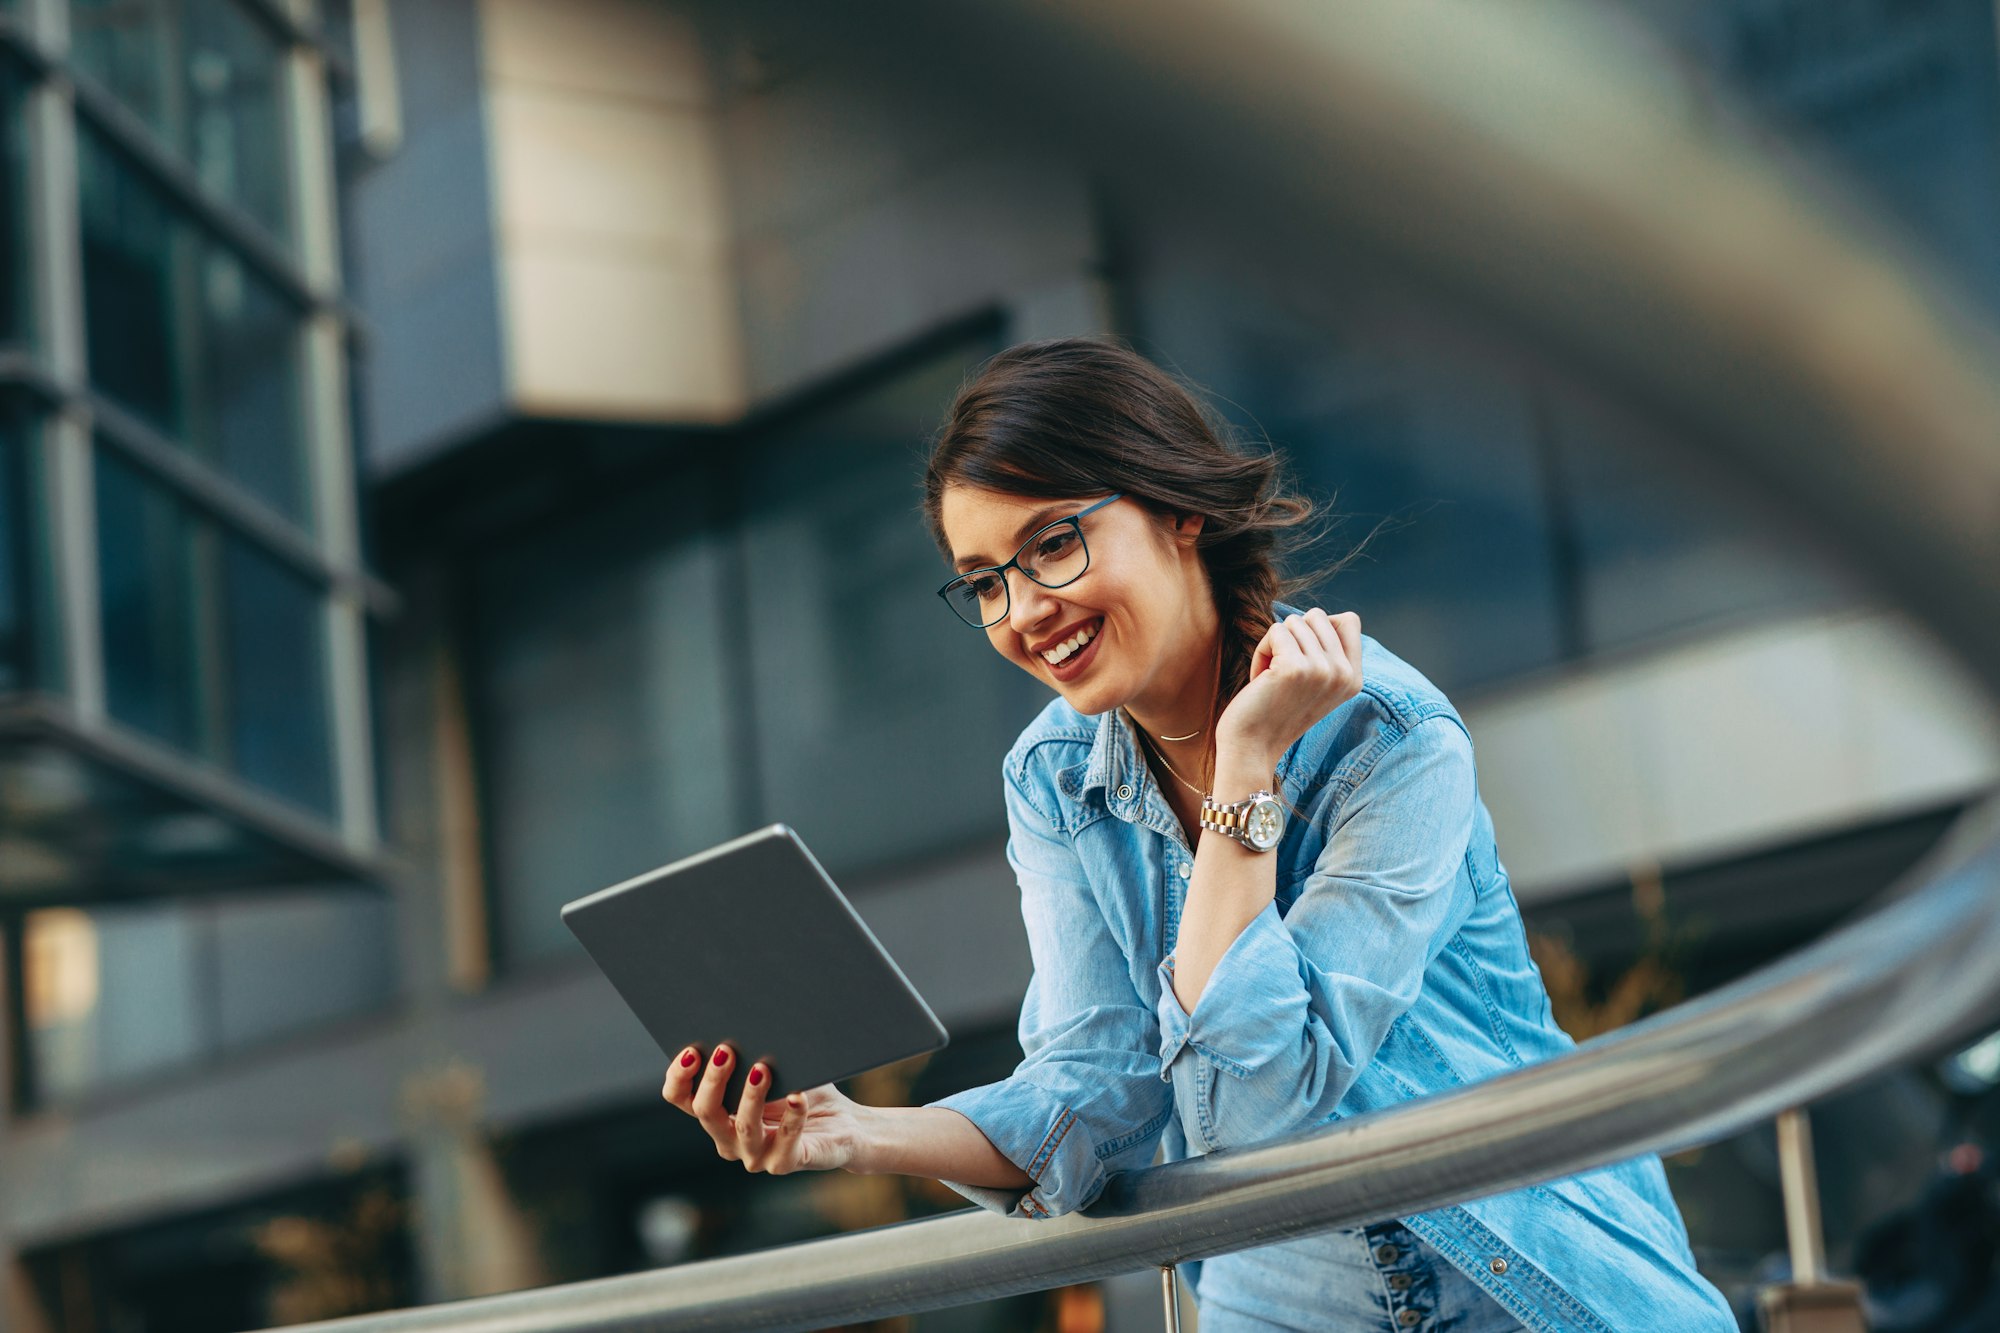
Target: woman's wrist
864	1149
1241	769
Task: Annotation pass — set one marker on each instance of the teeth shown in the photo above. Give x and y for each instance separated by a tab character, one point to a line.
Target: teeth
1063	650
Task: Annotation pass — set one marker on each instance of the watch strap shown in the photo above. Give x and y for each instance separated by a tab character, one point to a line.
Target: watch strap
1230	818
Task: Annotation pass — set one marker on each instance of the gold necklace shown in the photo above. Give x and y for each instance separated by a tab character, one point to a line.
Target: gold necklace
1155	750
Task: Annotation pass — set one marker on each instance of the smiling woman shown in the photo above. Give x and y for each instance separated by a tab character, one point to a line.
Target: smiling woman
1260	887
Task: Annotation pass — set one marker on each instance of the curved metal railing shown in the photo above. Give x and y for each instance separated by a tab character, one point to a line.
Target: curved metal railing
1532	165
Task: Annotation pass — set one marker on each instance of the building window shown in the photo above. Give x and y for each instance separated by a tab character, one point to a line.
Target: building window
19	602
855	665
15	288
603	706
207	78
187	337
274	663
116	995
211	644
149	588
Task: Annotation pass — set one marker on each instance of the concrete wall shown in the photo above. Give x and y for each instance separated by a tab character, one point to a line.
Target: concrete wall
1730	744
617	296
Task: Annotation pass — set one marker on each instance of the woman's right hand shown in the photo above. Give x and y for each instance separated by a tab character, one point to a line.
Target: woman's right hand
813	1130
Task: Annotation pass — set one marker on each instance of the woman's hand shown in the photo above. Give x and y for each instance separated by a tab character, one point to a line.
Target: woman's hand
814	1130
1305	666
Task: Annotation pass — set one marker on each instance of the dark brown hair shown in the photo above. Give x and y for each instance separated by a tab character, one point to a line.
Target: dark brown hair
1074	417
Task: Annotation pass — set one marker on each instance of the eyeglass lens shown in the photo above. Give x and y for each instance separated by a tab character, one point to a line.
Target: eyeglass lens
1054	556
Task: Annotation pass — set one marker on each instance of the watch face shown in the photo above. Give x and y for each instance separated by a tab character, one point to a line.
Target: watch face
1265	825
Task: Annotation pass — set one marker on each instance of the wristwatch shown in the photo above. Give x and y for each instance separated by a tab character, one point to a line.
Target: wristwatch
1257	821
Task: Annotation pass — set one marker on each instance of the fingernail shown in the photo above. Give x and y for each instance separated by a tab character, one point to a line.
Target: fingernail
721	1056
756	1075
795	1100
687	1058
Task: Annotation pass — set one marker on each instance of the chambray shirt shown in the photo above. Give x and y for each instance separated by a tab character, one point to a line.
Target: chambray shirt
1391	964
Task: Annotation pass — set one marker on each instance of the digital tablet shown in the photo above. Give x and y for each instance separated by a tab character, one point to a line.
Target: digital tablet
751	944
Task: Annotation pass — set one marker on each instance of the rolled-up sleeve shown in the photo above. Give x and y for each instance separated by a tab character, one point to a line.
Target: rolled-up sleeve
1087	1098
1299	1003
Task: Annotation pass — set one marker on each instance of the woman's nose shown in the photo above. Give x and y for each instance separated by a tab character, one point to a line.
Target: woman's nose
1028	602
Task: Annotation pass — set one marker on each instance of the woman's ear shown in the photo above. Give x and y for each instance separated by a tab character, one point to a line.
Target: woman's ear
1187	527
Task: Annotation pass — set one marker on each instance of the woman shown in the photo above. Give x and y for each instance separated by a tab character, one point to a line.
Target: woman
1260	888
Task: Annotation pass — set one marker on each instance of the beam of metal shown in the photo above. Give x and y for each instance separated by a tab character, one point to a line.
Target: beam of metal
1535	167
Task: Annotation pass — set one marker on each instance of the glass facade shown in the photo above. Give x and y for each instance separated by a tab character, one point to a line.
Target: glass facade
164	919
1503	527
16	551
273	656
185	336
15	293
605	701
151	600
879	718
734	644
207	78
120	994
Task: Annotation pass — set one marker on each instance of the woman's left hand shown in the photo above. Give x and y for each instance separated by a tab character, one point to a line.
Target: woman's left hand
1305	666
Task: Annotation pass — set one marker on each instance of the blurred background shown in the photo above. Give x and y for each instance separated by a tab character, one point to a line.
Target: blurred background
457	454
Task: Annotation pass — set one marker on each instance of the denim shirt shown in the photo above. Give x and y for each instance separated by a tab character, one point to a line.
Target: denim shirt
1392	963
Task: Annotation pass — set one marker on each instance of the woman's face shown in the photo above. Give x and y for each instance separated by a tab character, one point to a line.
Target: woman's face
1143	602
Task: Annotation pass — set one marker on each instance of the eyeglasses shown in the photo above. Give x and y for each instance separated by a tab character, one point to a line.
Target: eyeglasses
1055	555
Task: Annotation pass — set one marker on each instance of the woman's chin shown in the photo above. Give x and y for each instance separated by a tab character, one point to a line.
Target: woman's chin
1089	697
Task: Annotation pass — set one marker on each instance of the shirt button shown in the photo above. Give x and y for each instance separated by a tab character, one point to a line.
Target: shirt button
1408	1317
1124	791
1498	1265
1186	870
1388	1254
1399	1281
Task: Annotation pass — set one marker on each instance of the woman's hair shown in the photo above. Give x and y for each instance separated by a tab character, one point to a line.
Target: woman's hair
1075	417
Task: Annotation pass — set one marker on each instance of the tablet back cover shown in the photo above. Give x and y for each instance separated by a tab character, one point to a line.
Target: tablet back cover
751	944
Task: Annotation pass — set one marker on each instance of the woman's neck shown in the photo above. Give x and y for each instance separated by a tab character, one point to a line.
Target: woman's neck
1186	709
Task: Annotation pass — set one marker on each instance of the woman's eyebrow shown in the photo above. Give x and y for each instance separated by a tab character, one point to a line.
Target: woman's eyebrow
1028	525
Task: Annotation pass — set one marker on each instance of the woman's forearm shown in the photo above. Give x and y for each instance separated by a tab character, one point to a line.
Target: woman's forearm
932	1141
1229	886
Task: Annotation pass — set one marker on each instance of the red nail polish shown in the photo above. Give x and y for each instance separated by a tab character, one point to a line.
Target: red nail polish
687	1059
722	1057
756	1076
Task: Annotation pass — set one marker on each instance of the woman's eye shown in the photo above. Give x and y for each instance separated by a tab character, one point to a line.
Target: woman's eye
1056	545
985	587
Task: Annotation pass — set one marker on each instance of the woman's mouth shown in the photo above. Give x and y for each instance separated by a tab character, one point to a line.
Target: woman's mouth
1074	658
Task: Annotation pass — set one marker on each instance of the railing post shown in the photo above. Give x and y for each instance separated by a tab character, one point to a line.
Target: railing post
1811	1302
1170	1291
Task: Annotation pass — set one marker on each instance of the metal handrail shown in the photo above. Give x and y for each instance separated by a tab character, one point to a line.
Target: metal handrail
1546	175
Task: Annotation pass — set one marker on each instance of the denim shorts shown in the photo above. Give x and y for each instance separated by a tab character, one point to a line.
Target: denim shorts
1374	1279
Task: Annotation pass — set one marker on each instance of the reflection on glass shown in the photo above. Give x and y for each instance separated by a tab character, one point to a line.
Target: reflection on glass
880	717
119	994
147	591
276	667
186	337
1524	528
603	707
15	670
285	961
14	267
1458	582
110	996
207	78
1660	552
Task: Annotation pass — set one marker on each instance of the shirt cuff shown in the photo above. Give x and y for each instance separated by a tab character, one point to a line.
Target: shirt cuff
1247	1013
1038	1133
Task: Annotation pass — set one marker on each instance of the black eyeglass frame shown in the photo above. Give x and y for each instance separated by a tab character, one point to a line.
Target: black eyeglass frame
1000	571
